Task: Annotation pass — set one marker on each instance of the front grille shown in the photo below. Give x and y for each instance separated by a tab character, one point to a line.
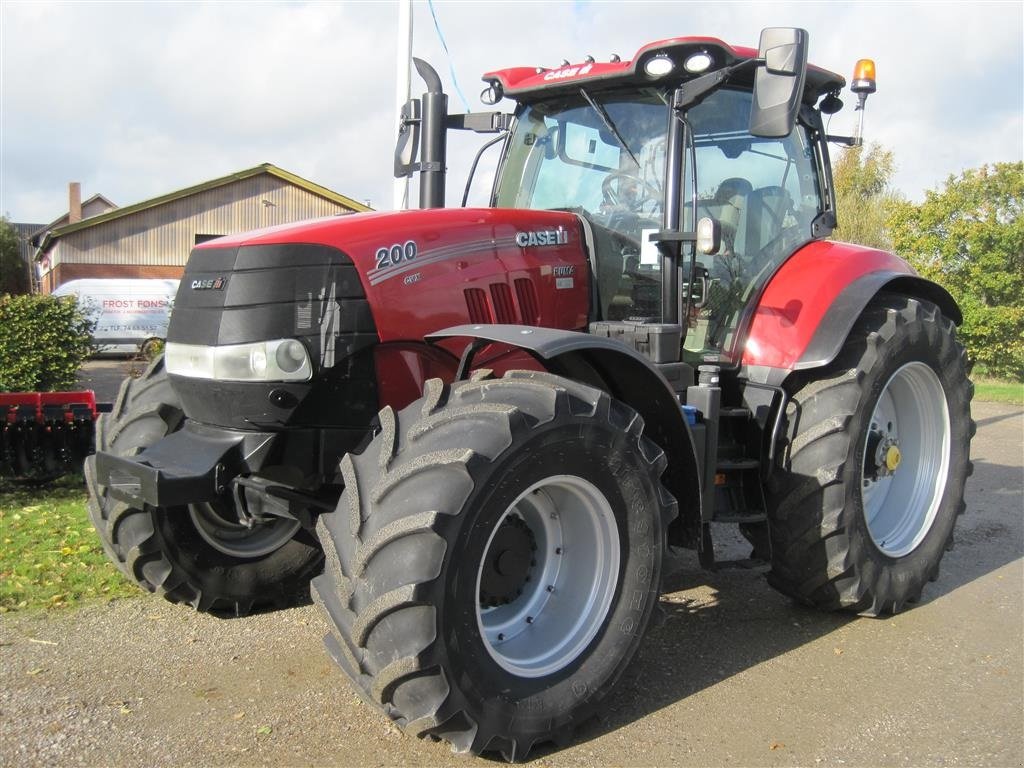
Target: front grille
301	291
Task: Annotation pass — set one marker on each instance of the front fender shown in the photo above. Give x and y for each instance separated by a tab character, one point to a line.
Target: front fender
625	375
809	306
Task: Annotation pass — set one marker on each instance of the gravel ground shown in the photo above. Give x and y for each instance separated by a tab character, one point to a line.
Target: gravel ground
735	675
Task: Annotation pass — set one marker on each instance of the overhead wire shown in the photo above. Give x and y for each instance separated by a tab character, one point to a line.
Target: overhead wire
451	65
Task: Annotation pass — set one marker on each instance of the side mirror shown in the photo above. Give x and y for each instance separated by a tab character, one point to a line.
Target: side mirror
779	83
408	139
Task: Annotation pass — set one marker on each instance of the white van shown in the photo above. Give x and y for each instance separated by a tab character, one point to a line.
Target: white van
129	314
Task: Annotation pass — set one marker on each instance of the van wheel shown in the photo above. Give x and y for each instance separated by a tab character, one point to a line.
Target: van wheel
151	348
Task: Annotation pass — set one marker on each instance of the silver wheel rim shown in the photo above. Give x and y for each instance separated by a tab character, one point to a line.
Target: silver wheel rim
237	540
571	581
901	502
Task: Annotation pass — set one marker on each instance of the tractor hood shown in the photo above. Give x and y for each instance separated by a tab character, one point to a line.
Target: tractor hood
421	270
341	287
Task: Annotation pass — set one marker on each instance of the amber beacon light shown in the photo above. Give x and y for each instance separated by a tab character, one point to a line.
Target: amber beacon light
863	77
863	84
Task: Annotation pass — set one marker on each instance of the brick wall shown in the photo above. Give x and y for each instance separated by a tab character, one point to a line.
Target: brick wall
64	273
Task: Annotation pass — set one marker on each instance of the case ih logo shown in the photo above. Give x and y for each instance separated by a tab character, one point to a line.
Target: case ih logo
561	74
213	284
542	237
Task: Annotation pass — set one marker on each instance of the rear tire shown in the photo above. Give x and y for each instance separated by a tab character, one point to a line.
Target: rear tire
873	478
166	550
463	511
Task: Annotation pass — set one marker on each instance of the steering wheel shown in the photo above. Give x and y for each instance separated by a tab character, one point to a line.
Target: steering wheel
613	193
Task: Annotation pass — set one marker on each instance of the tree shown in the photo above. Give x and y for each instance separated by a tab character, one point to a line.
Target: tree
969	236
13	270
864	199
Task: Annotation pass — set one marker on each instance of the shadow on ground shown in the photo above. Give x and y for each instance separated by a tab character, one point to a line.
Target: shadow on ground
718	625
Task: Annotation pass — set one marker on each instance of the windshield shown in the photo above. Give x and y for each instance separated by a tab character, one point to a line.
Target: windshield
601	156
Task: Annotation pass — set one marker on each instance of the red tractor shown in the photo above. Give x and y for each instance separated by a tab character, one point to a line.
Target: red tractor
486	433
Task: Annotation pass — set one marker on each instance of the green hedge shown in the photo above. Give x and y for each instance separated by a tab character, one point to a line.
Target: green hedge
994	337
43	343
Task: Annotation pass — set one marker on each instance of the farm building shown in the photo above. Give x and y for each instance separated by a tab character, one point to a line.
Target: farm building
153	238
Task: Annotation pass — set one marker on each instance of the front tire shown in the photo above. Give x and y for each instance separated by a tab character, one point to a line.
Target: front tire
873	479
190	554
495	559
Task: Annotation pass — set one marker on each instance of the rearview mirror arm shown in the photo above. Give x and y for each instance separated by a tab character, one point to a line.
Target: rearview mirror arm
693	91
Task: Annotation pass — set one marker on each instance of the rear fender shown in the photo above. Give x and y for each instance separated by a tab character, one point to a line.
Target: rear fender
808	308
625	375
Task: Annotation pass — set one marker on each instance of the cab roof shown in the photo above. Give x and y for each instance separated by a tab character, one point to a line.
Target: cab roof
526	83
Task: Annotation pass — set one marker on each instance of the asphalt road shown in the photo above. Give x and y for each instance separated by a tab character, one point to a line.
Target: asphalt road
104	375
736	676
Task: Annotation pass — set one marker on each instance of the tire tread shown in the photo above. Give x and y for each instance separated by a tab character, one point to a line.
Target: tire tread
488	411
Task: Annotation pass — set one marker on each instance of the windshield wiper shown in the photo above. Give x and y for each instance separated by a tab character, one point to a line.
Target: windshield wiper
606	119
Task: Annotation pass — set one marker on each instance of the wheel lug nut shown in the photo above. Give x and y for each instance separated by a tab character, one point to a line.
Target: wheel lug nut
551	588
558	550
529	619
501	636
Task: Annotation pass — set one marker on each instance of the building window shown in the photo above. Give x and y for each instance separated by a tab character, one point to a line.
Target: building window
206	238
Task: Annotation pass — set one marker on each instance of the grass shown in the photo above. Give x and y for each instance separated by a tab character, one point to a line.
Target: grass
50	556
997	391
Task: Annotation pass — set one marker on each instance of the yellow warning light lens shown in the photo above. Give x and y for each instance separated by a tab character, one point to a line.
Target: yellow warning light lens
864	70
863	77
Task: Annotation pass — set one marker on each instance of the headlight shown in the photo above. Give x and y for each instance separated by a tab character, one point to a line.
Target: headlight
278	360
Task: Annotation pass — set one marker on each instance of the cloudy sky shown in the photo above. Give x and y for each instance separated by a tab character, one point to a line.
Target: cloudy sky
137	99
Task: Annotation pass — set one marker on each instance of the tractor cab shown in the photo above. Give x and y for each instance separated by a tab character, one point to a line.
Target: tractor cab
603	157
690	130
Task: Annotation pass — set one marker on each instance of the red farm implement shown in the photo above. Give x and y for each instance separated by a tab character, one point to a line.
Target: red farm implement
45	434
